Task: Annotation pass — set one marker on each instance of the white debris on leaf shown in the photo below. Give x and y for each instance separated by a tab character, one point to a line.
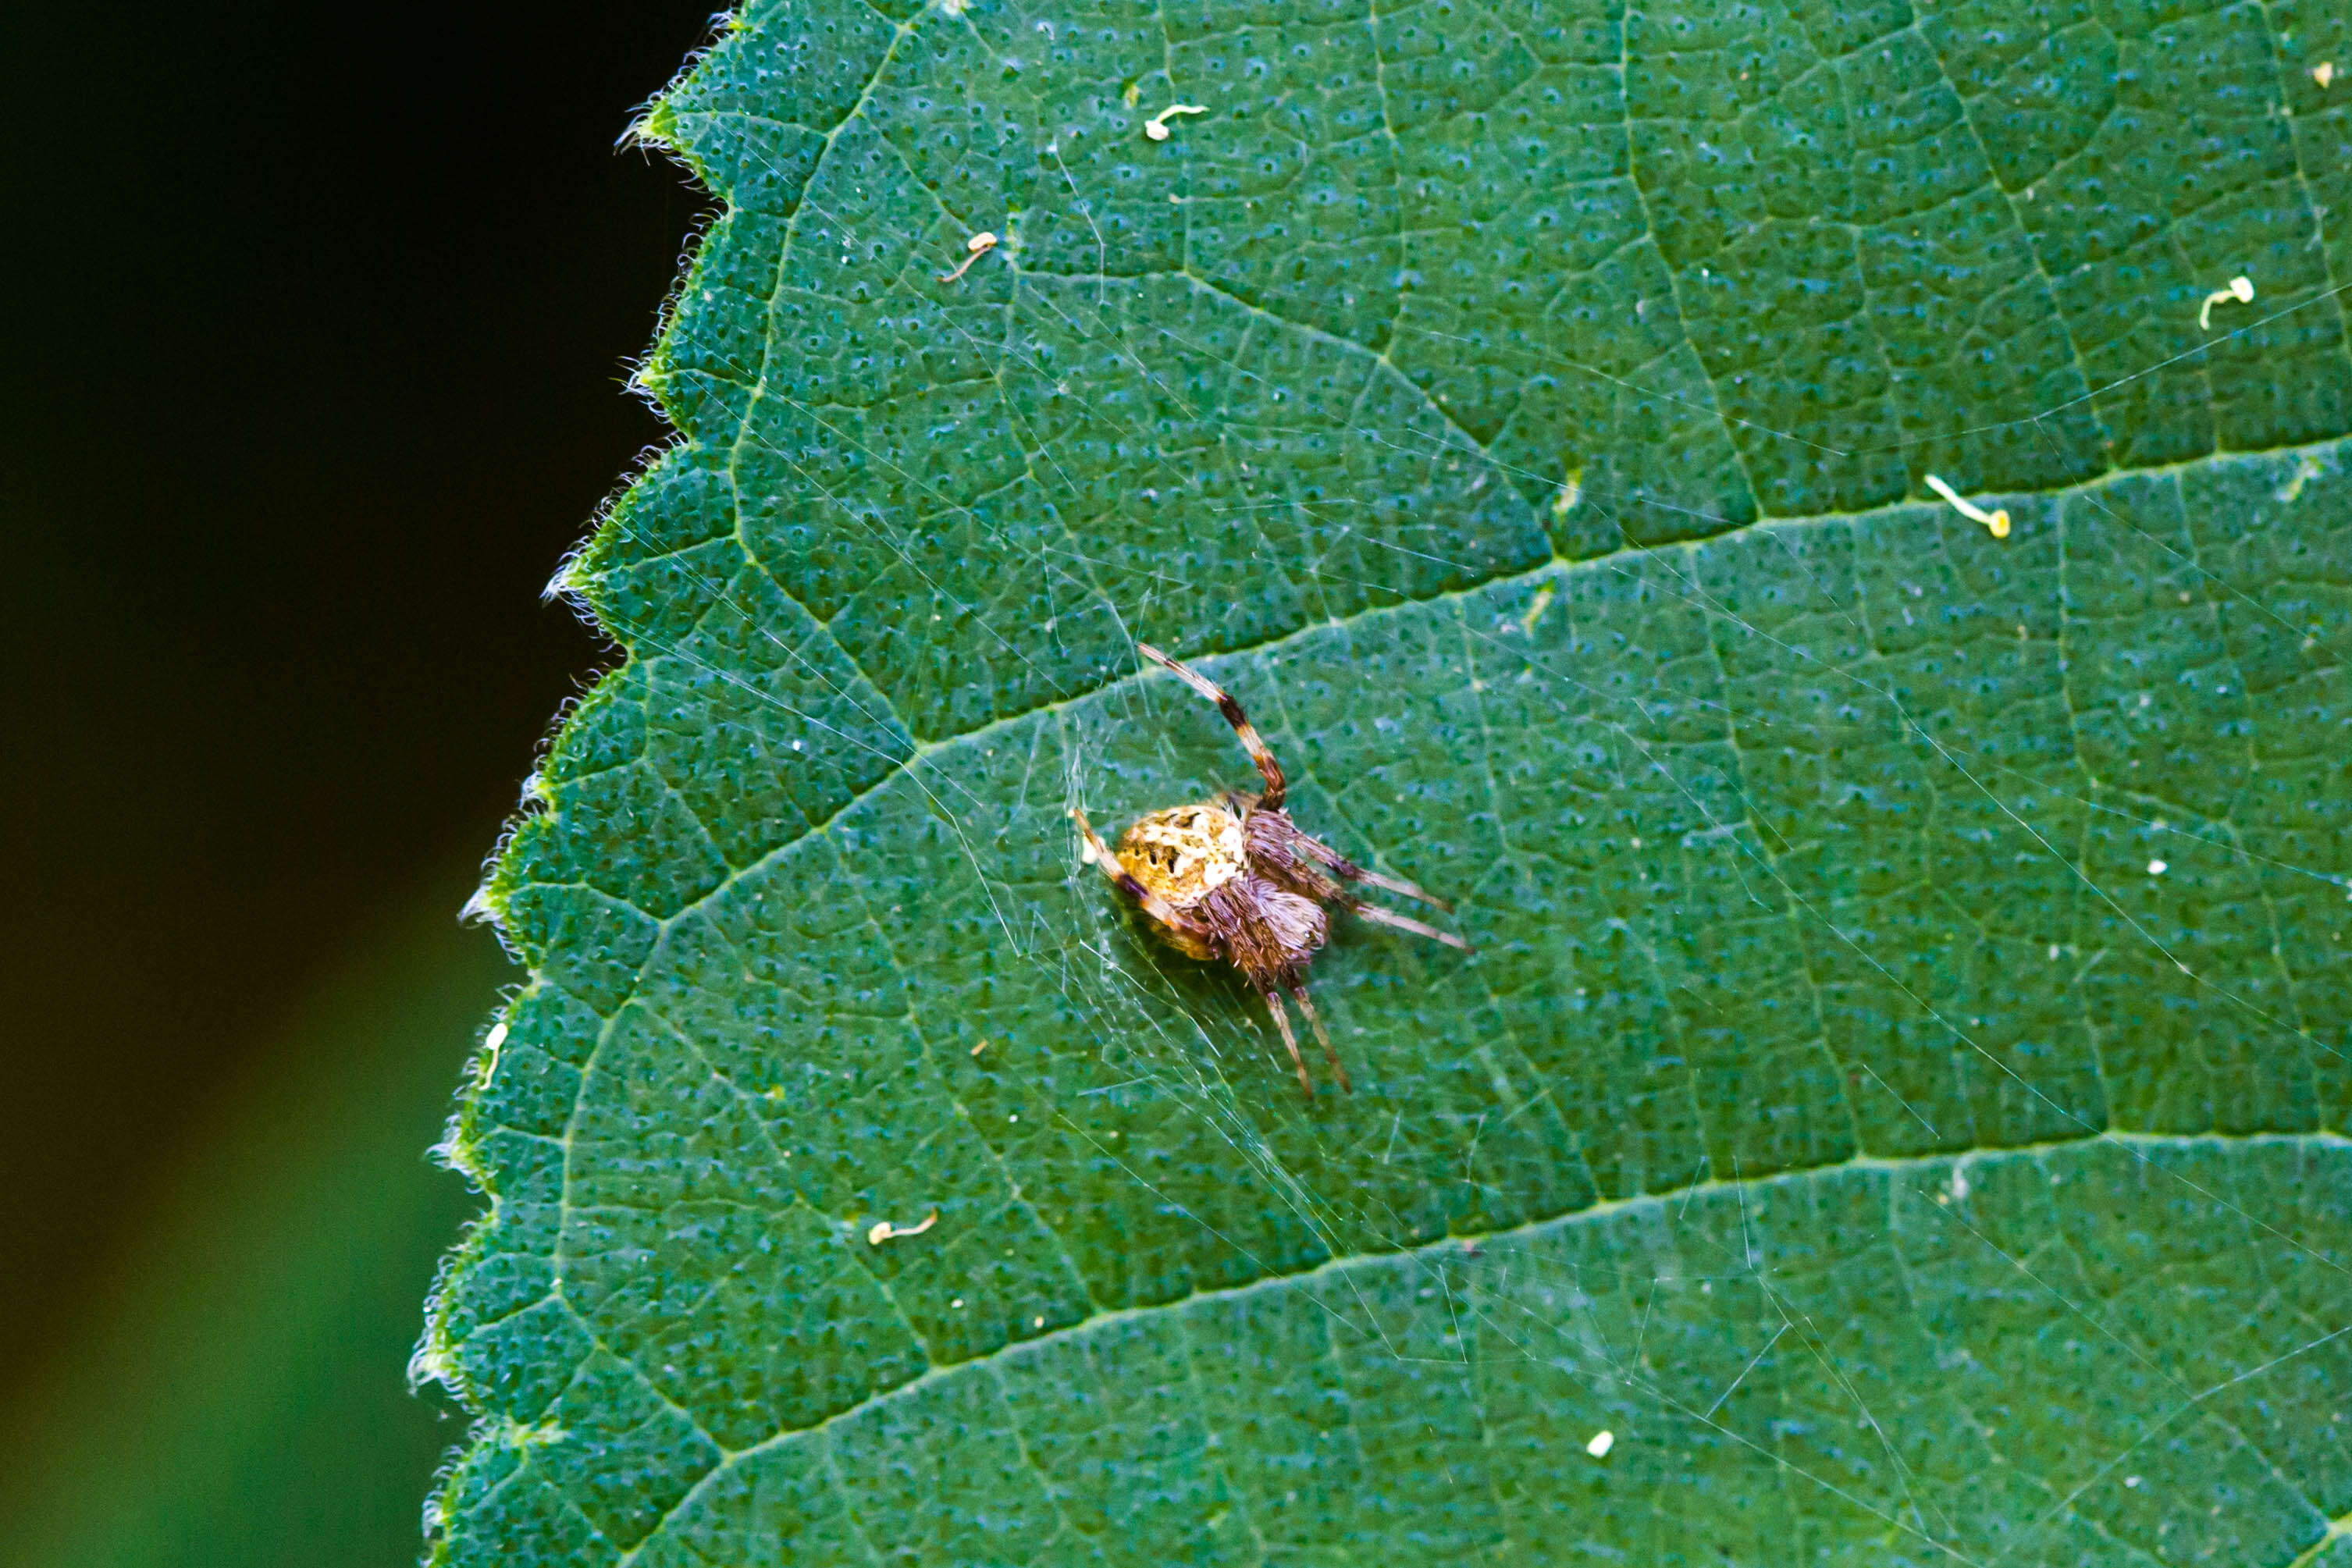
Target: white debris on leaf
2240	288
1602	1441
486	1066
1572	490
1156	127
882	1230
1995	522
975	247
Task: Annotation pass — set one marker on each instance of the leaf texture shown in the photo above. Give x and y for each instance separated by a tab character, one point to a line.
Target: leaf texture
1900	1095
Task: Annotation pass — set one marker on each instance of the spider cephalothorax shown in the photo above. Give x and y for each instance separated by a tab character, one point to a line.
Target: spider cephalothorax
1234	878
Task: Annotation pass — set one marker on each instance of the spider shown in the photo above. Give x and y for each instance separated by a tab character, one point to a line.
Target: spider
1234	878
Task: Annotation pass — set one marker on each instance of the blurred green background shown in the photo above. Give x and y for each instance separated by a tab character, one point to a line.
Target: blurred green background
231	1392
320	324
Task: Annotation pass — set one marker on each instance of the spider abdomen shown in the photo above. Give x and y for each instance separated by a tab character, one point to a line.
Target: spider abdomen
1184	853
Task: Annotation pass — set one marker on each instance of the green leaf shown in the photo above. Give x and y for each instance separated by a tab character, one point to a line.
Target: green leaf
1900	1093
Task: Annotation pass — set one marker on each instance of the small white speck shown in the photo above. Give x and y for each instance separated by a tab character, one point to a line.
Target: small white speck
2156	868
957	1302
882	1230
1038	1323
2240	290
1015	1117
2131	1481
1602	1441
1156	127
2054	952
1996	522
497	1037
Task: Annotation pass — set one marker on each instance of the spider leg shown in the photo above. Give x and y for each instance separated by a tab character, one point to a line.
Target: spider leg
1159	908
1347	870
1379	916
1282	1022
1266	764
1314	1021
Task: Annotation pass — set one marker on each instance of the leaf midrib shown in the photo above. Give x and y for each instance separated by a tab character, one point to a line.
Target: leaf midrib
922	747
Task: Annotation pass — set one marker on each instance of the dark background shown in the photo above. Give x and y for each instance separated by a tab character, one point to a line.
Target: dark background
318	338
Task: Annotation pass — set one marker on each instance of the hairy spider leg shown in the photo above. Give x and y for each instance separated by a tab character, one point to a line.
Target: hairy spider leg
1379	916
1282	1022
1347	870
1275	783
1297	991
1154	905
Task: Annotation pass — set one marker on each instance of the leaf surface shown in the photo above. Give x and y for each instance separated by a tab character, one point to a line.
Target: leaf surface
1900	1093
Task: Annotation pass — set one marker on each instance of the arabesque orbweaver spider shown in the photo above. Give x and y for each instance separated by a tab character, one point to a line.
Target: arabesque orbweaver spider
1236	878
